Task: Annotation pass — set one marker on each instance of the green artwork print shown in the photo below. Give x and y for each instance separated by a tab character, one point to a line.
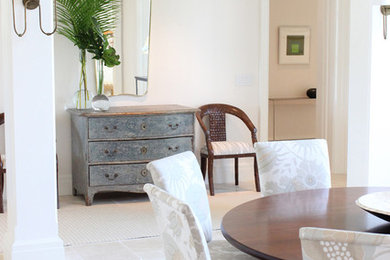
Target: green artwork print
295	48
295	45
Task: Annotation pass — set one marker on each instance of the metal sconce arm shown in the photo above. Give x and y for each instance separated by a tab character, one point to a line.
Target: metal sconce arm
31	5
385	10
55	19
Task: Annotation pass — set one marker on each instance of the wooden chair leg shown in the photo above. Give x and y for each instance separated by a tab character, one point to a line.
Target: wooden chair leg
257	181
210	173
58	199
1	190
203	165
236	170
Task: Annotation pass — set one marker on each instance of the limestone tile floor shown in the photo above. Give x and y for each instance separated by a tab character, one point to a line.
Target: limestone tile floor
151	248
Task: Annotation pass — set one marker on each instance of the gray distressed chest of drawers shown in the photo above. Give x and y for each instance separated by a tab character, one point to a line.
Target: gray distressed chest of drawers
110	149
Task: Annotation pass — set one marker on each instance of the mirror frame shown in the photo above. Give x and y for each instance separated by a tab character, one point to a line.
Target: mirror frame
118	71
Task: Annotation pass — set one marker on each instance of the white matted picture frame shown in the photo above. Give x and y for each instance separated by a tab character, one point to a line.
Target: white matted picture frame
294	45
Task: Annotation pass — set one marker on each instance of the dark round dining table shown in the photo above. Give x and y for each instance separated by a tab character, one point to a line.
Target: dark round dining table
268	227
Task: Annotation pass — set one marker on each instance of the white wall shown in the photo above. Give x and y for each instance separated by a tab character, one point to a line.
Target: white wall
368	140
359	93
379	167
198	49
292	80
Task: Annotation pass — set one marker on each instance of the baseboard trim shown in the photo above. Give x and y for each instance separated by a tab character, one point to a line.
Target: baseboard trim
42	249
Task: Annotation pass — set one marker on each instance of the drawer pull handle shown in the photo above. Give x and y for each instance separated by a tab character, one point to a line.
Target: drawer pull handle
107	128
174	126
173	149
144	150
144	172
143	126
111	178
108	153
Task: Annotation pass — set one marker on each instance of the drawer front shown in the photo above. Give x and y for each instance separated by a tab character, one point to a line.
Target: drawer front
137	150
125	174
141	126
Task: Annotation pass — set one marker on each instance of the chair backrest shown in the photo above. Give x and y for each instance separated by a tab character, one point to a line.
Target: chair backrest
180	230
287	166
180	176
320	243
216	114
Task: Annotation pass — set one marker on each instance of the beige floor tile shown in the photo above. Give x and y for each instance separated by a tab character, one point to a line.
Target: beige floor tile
70	254
105	251
146	248
152	248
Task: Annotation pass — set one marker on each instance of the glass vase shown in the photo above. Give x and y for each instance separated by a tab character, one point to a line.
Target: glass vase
100	102
82	98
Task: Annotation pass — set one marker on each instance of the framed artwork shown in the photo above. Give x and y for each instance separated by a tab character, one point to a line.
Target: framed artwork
294	45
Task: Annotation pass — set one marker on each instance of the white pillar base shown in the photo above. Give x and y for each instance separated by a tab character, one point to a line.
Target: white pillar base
44	249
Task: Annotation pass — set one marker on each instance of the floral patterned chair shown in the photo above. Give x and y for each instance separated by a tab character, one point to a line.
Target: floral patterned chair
320	243
180	176
180	230
287	166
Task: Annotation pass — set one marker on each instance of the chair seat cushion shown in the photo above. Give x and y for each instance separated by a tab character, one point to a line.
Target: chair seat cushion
226	148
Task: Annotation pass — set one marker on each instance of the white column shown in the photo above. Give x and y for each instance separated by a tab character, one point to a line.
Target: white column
359	93
264	69
332	100
27	70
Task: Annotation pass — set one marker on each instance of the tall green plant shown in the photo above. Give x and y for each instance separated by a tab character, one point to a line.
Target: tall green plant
77	21
103	53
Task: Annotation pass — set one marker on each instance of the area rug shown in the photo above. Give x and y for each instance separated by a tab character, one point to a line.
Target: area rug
122	218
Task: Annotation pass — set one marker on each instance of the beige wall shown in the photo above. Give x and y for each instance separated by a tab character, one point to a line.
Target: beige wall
292	80
199	48
293	119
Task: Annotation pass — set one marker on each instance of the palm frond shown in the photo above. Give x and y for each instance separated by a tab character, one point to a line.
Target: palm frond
75	18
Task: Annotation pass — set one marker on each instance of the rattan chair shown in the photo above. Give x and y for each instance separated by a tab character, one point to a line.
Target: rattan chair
217	147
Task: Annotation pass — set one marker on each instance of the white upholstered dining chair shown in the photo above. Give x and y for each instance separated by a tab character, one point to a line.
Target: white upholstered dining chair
321	243
180	176
287	166
180	231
